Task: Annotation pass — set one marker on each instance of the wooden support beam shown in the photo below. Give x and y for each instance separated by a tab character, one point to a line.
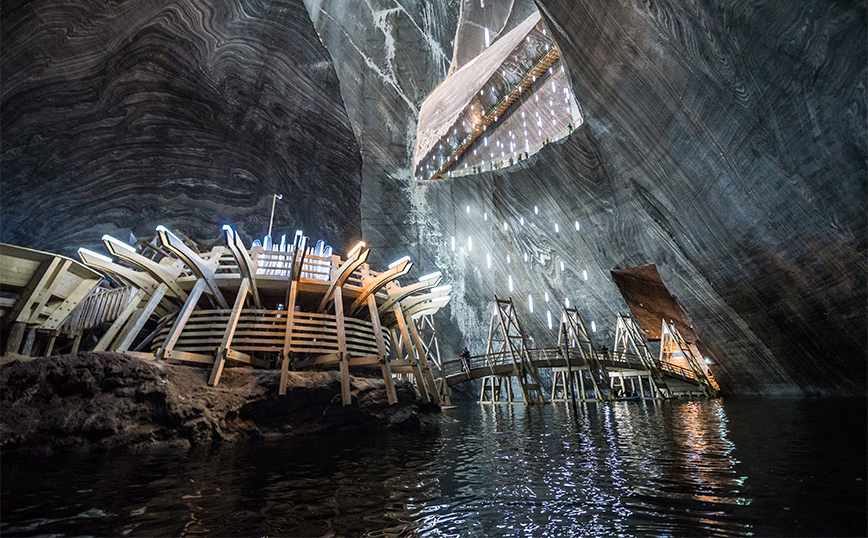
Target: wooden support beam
291	295
204	270
340	275
28	341
76	342
423	360
16	335
48	290
411	353
342	346
142	318
381	350
51	341
118	323
167	274
373	285
139	279
22	311
245	264
220	357
398	293
181	320
59	314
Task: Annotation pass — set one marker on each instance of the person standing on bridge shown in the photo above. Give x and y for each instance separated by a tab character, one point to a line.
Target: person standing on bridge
465	360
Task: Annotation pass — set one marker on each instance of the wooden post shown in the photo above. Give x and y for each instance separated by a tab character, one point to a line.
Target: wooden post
296	265
220	358
381	349
51	341
181	320
142	318
23	308
28	342
423	360
342	346
411	353
581	385
76	342
122	318
16	334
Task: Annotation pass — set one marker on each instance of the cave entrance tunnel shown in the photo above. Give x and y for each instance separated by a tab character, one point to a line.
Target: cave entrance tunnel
661	319
499	108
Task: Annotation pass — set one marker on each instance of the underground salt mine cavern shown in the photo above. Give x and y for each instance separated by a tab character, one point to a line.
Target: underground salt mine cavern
443	268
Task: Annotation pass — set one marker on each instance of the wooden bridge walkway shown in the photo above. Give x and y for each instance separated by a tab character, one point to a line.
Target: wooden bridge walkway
496	364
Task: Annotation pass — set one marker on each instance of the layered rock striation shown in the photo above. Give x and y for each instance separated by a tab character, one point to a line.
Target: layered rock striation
118	117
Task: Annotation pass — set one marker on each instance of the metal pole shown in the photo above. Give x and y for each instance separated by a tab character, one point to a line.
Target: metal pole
274	200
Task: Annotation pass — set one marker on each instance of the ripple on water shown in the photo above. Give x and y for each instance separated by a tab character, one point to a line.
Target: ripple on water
623	469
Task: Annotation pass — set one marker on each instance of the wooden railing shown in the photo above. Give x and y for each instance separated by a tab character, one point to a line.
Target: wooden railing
550	357
101	306
264	330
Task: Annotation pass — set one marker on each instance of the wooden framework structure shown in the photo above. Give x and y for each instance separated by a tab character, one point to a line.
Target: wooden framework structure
679	356
507	357
40	291
629	340
294	305
575	341
428	335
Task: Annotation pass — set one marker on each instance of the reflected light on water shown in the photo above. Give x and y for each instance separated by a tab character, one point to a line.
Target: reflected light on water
589	469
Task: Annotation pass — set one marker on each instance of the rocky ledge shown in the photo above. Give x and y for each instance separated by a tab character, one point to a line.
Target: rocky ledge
108	400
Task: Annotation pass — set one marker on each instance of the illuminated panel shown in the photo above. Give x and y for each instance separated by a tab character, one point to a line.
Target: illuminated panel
499	109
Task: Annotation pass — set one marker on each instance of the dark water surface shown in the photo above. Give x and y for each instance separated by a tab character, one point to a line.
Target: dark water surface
719	468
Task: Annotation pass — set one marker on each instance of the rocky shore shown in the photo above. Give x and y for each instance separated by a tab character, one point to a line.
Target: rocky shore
108	401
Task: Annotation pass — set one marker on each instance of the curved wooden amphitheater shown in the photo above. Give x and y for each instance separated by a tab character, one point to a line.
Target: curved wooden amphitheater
293	306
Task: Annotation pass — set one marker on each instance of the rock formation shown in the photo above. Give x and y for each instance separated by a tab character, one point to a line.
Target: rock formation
107	401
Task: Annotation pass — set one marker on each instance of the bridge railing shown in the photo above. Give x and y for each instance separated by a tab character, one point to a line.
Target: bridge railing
677	370
549	356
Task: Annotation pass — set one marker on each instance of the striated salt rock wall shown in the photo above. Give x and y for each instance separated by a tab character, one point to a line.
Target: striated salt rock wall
388	57
120	116
724	143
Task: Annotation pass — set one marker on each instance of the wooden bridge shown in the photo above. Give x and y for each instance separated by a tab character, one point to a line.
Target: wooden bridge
577	366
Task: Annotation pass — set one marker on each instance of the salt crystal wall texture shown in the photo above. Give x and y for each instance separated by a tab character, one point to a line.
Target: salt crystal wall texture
119	116
724	143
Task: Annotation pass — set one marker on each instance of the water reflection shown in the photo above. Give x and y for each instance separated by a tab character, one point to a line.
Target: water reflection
626	468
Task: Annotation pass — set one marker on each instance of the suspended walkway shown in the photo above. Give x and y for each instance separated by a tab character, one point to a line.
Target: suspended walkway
579	369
